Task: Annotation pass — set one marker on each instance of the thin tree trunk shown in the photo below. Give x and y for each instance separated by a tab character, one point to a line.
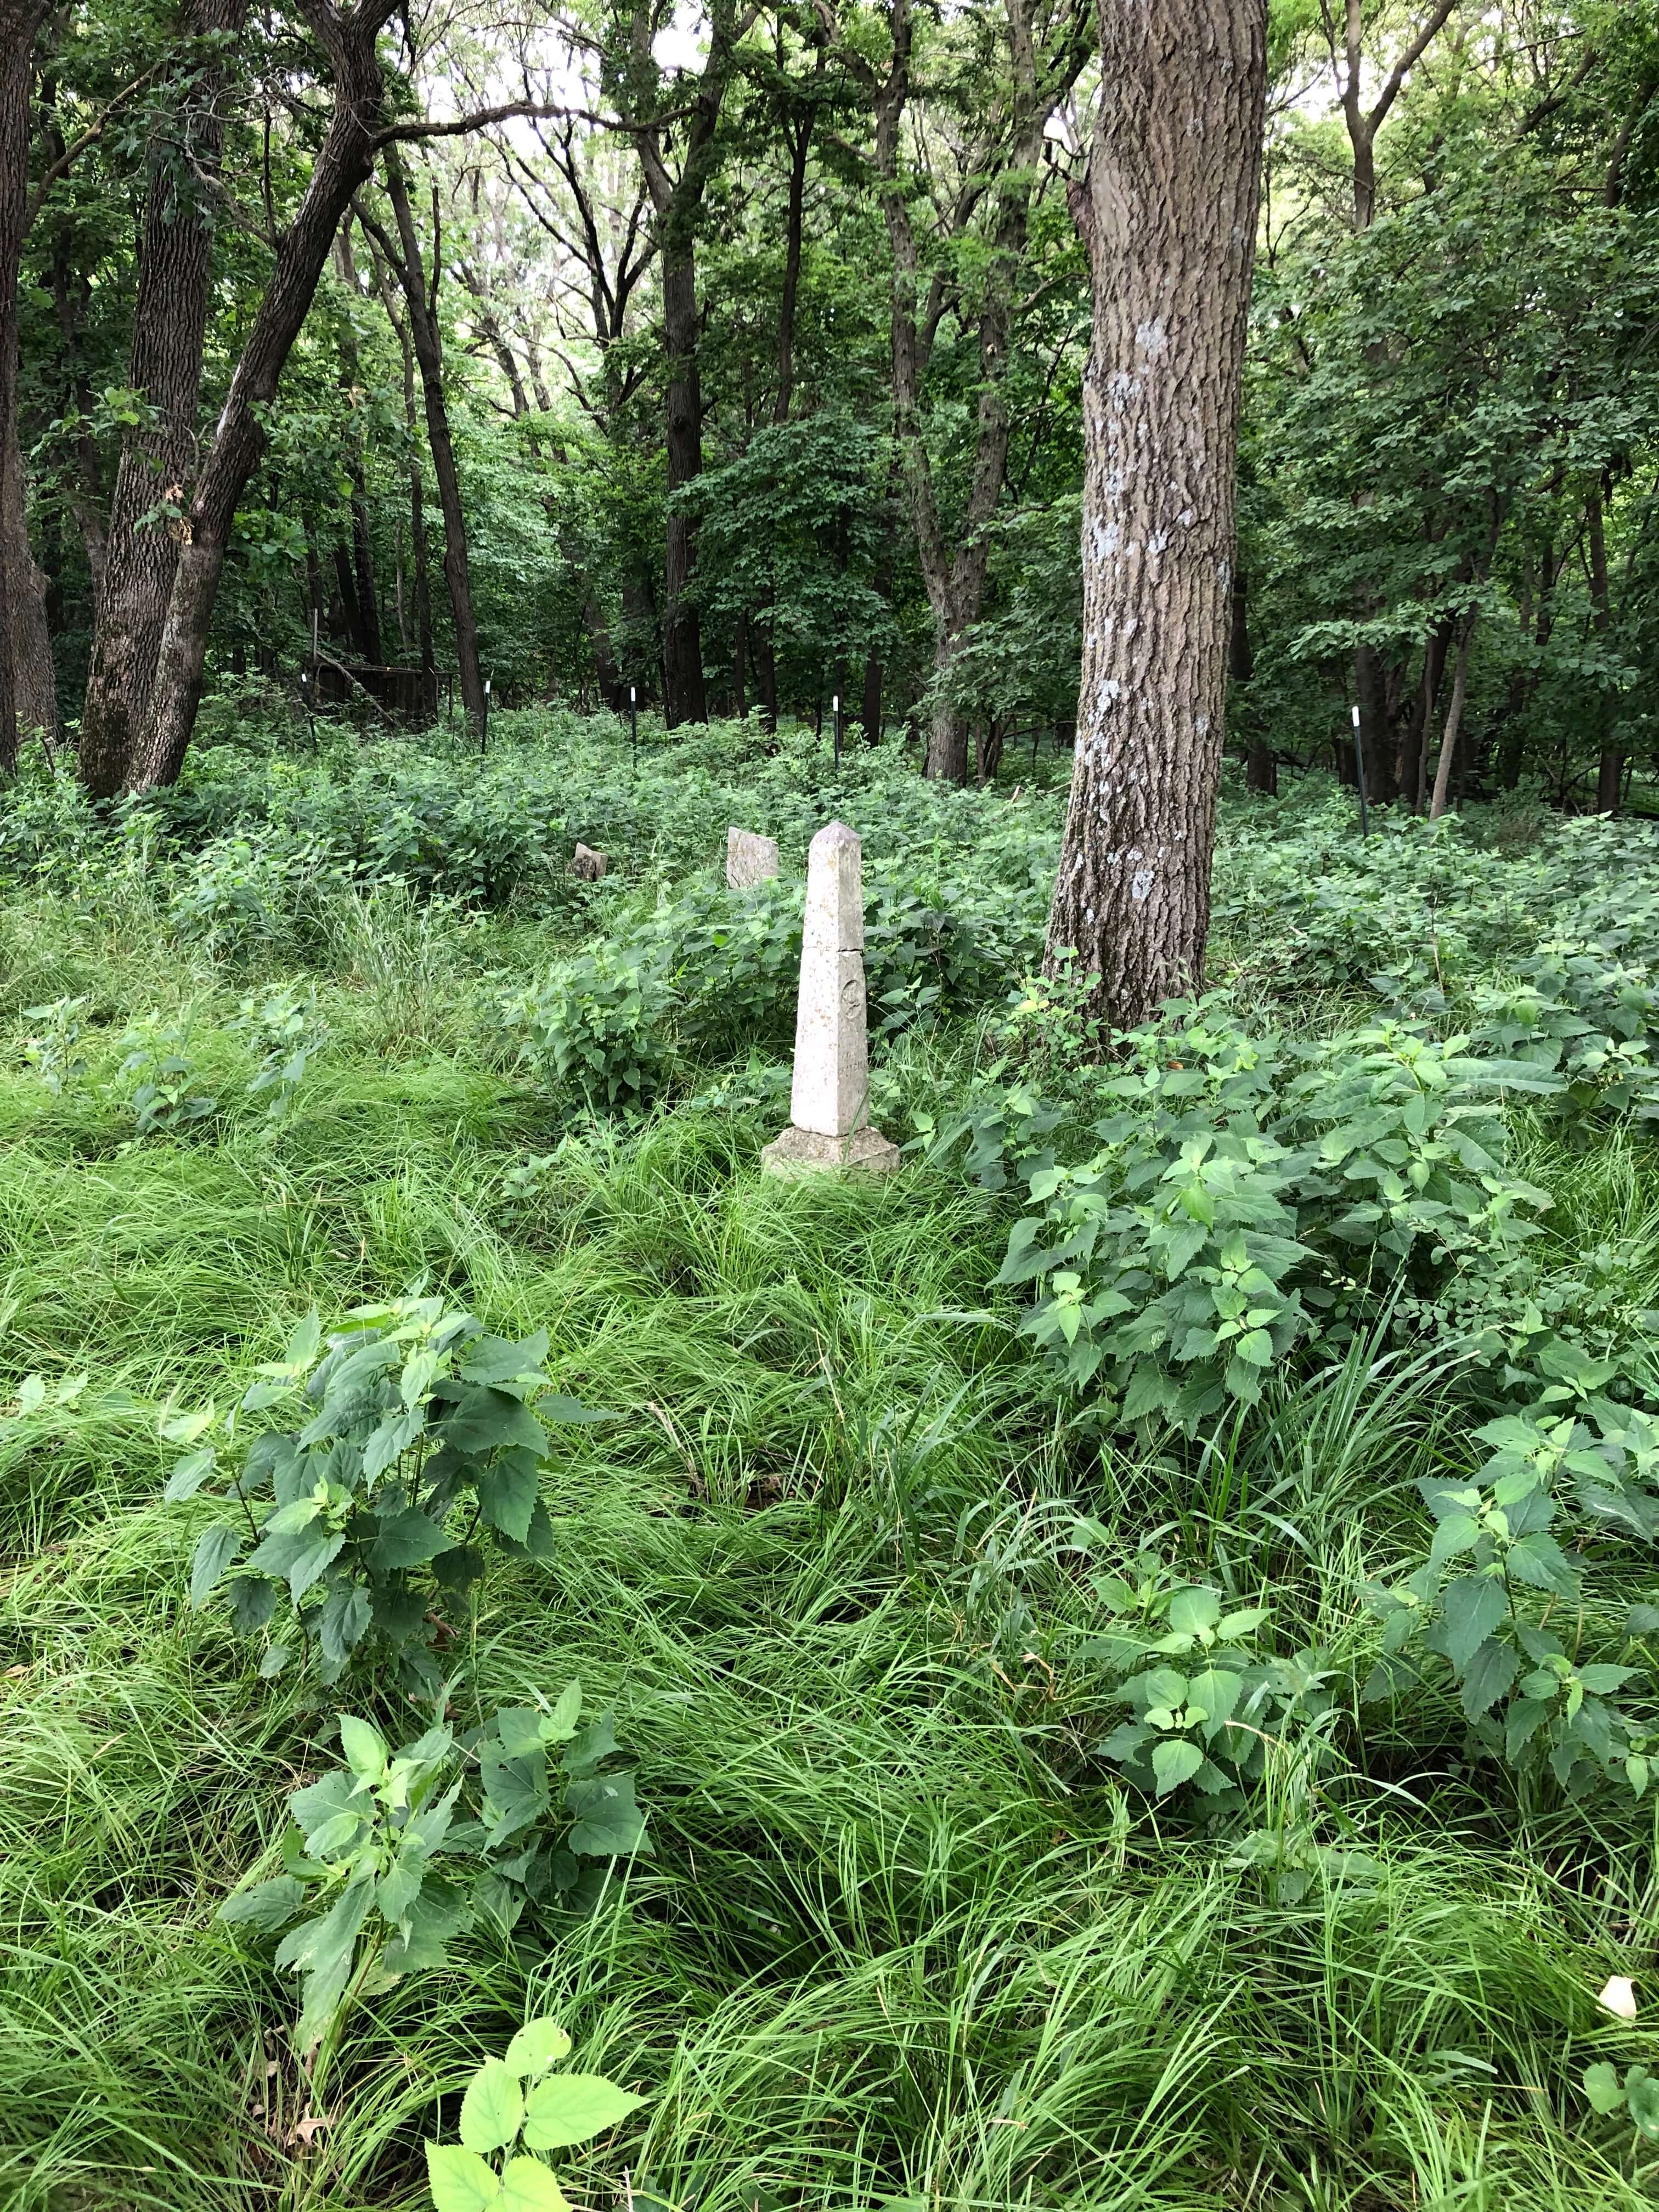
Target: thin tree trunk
409	265
791	291
1168	212
956	582
1261	769
1411	767
33	681
342	164
1453	720
872	708
157	457
1610	766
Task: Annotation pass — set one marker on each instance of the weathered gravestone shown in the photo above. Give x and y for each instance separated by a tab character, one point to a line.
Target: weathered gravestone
749	860
830	1100
587	864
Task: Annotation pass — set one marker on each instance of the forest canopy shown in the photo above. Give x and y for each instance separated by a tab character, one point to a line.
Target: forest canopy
734	360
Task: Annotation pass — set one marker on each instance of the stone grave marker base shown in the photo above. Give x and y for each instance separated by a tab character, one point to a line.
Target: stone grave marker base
799	1152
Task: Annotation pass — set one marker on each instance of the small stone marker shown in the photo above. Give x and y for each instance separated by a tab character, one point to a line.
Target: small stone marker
749	860
587	864
831	1096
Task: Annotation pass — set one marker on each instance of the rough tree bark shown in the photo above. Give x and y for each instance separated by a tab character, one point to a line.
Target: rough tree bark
342	165
19	21
1168	211
406	261
157	457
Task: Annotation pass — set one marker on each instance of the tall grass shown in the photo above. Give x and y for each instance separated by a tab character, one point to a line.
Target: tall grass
903	1941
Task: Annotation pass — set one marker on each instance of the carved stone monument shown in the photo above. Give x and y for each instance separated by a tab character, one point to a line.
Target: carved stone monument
829	1102
750	860
587	864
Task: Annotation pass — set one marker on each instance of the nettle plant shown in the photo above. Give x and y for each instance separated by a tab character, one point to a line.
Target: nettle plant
157	1066
390	1858
287	1029
515	2105
1497	1602
1205	1704
53	1048
1245	1186
417	1432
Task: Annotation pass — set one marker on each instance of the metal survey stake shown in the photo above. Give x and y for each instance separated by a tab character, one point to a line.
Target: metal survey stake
835	714
634	726
483	727
1359	776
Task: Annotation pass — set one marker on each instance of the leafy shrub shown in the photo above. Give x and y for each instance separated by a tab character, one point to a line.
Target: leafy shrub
158	1066
52	1051
287	1029
519	2100
422	1432
391	1857
1245	1185
1204	1702
1497	1602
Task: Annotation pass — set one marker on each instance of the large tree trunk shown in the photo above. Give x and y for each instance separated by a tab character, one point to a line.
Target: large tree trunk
18	20
157	457
342	164
410	265
33	683
1168	214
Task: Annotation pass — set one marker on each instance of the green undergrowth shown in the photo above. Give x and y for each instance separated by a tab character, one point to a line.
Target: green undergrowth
909	1933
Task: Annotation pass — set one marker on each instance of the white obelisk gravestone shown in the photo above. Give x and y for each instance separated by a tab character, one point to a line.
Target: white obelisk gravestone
829	1102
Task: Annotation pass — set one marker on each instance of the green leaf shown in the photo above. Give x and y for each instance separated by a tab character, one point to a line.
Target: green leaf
1491	1669
507	1491
572	2108
459	2179
1603	2087
216	1548
1474	1605
492	2111
185	1428
1458	1532
1539	1561
488	1420
1257	1347
609	1823
1193	1610
267	1907
189	1475
363	1748
493	1359
1643	2097
1175	1761
408	1538
528	2187
538	2044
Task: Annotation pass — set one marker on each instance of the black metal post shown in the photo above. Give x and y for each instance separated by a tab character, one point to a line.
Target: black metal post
835	712
483	727
634	726
1359	777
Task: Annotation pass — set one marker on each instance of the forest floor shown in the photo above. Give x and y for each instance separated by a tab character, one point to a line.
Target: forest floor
903	1939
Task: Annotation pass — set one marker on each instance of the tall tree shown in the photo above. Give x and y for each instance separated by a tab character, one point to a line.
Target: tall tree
677	199
342	163
407	264
1168	211
1004	168
19	21
156	464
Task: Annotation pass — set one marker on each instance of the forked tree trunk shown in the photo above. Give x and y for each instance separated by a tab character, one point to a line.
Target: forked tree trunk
342	164
157	460
1168	211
